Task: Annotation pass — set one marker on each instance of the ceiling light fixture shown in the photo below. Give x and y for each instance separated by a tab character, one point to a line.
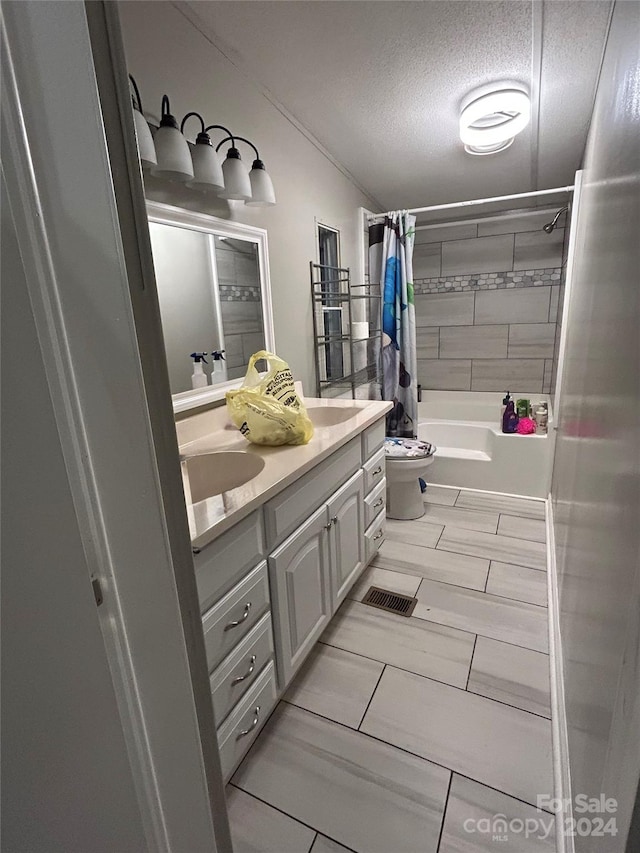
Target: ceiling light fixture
491	119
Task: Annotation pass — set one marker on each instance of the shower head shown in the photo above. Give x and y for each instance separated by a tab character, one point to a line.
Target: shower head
548	228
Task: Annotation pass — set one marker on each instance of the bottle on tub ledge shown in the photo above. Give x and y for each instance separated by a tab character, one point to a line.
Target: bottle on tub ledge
505	402
523	408
199	377
542	418
510	418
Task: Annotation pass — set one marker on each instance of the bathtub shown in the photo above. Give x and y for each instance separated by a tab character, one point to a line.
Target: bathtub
474	453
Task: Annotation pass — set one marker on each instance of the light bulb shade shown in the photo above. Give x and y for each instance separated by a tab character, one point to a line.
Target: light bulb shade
262	192
146	148
173	155
207	171
236	178
495	118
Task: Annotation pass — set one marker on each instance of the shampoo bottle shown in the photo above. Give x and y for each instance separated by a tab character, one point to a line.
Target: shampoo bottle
510	418
199	377
542	419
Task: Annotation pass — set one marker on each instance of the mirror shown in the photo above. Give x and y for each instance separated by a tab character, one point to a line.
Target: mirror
214	293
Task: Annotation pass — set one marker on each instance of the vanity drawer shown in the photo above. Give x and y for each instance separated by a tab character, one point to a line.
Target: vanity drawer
295	504
374	537
373	471
225	560
243	724
375	502
234	616
373	438
241	668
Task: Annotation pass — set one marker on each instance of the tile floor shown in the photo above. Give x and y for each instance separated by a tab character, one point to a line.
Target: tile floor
408	735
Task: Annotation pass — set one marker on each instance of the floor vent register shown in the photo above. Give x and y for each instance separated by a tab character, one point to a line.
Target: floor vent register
394	602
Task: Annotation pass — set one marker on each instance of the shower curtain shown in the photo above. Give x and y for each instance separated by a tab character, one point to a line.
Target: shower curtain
391	266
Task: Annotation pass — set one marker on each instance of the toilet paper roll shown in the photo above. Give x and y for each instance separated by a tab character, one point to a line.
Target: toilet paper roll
359	330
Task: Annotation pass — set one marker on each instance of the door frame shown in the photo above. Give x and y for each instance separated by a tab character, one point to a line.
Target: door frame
88	273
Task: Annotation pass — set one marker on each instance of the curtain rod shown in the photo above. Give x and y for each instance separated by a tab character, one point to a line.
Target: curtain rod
476	201
455	223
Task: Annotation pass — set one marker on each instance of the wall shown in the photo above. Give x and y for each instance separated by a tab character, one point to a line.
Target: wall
99	510
487	302
166	53
65	767
596	481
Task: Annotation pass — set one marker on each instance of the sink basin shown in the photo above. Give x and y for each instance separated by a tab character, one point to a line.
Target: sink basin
211	474
324	416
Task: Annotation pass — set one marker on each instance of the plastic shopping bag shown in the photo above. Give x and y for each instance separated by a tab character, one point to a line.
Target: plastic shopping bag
267	409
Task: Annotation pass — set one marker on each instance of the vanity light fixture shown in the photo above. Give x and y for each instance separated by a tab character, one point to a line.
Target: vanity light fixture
168	154
492	118
172	150
236	175
207	172
143	133
261	193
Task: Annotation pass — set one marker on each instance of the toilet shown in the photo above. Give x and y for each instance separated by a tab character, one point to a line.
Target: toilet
407	460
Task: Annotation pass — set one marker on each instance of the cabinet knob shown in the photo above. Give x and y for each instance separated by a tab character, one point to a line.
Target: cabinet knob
242	619
378	503
255	722
252	666
378	535
377	471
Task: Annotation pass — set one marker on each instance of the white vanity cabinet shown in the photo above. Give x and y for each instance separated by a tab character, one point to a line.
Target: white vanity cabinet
235	602
299	571
228	559
346	517
375	492
275	579
312	571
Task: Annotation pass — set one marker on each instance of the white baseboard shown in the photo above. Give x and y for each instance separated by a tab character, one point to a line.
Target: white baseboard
487	492
561	772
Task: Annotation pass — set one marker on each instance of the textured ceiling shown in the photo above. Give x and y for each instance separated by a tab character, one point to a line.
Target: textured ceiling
379	84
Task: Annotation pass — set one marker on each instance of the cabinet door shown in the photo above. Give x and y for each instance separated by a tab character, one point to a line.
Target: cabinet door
346	515
299	574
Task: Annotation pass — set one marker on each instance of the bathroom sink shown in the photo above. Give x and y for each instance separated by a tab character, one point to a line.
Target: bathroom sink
211	474
324	416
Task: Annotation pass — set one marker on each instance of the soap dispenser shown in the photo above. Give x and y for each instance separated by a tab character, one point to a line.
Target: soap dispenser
505	402
199	377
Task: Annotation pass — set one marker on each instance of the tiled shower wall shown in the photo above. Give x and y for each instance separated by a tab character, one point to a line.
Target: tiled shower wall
486	296
240	303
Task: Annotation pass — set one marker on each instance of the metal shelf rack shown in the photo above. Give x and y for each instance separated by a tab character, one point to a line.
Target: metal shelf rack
345	365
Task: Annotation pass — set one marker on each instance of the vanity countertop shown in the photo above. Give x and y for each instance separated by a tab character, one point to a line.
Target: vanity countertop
213	431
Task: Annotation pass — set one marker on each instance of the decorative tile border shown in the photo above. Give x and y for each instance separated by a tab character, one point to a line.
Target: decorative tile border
488	281
244	293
